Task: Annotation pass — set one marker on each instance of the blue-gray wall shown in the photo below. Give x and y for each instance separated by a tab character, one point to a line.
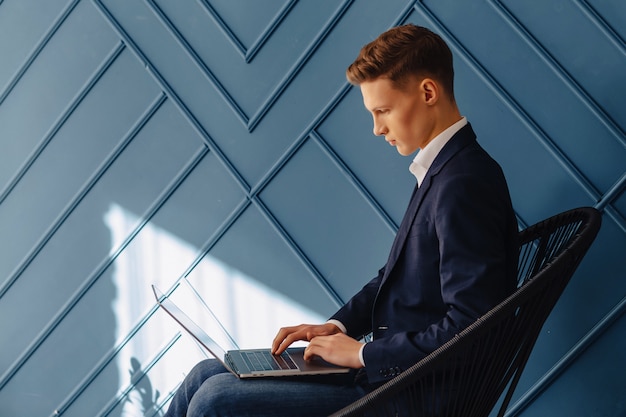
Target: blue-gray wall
215	144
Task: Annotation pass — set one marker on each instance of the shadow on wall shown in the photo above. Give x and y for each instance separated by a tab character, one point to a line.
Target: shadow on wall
216	295
143	397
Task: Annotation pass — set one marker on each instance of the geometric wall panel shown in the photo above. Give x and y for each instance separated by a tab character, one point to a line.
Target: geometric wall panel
214	147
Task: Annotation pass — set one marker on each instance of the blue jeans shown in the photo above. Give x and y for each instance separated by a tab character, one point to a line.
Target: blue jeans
210	391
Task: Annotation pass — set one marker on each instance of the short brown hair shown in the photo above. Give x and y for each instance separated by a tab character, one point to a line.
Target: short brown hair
403	51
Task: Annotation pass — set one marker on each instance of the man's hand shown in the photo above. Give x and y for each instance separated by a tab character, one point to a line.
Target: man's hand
338	349
325	340
287	335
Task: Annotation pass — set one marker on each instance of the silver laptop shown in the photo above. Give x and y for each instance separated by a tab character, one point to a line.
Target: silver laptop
249	363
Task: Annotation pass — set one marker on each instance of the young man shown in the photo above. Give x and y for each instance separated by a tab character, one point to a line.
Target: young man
453	259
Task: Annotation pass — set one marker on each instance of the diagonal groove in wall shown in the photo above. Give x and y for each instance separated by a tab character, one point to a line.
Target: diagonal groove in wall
608	31
121	397
298	142
250	53
560	71
38	48
64	311
106	64
604	200
271	28
195	124
274	170
567	360
160	407
613	193
169	26
300	62
215	237
355	182
221	24
65	114
107	359
300	254
252	122
595	109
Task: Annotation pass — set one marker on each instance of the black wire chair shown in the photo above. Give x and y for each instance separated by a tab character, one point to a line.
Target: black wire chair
467	376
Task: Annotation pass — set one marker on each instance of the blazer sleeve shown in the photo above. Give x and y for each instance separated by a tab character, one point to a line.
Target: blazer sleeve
356	314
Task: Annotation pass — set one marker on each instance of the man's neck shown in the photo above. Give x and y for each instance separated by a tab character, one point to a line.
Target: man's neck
445	116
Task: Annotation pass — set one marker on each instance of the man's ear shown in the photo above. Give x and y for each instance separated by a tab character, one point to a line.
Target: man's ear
430	91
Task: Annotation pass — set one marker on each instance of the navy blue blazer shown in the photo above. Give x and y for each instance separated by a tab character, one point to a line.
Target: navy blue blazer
453	259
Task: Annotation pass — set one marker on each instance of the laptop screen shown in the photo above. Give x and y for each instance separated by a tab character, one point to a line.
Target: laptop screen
188	324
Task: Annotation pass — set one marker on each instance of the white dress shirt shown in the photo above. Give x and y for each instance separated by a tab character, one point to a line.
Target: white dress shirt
425	157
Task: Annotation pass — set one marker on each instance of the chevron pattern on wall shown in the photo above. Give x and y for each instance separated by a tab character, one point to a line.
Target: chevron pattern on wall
214	148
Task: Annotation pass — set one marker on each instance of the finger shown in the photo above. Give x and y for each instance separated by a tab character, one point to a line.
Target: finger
310	352
280	337
287	341
287	335
316	348
321	330
292	335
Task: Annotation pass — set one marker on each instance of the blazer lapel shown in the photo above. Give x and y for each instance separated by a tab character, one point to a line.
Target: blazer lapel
405	226
460	140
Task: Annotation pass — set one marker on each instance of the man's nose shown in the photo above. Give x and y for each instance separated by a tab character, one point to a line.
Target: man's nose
379	128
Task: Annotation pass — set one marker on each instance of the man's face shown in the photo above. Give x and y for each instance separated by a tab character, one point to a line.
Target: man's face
403	116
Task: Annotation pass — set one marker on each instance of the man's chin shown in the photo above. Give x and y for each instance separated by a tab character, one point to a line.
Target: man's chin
405	151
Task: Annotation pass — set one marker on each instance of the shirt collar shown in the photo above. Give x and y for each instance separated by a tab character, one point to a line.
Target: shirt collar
425	157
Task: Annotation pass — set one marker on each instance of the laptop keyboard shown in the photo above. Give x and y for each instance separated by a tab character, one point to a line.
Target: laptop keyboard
265	361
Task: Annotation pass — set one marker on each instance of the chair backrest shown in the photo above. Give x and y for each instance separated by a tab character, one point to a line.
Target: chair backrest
467	376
